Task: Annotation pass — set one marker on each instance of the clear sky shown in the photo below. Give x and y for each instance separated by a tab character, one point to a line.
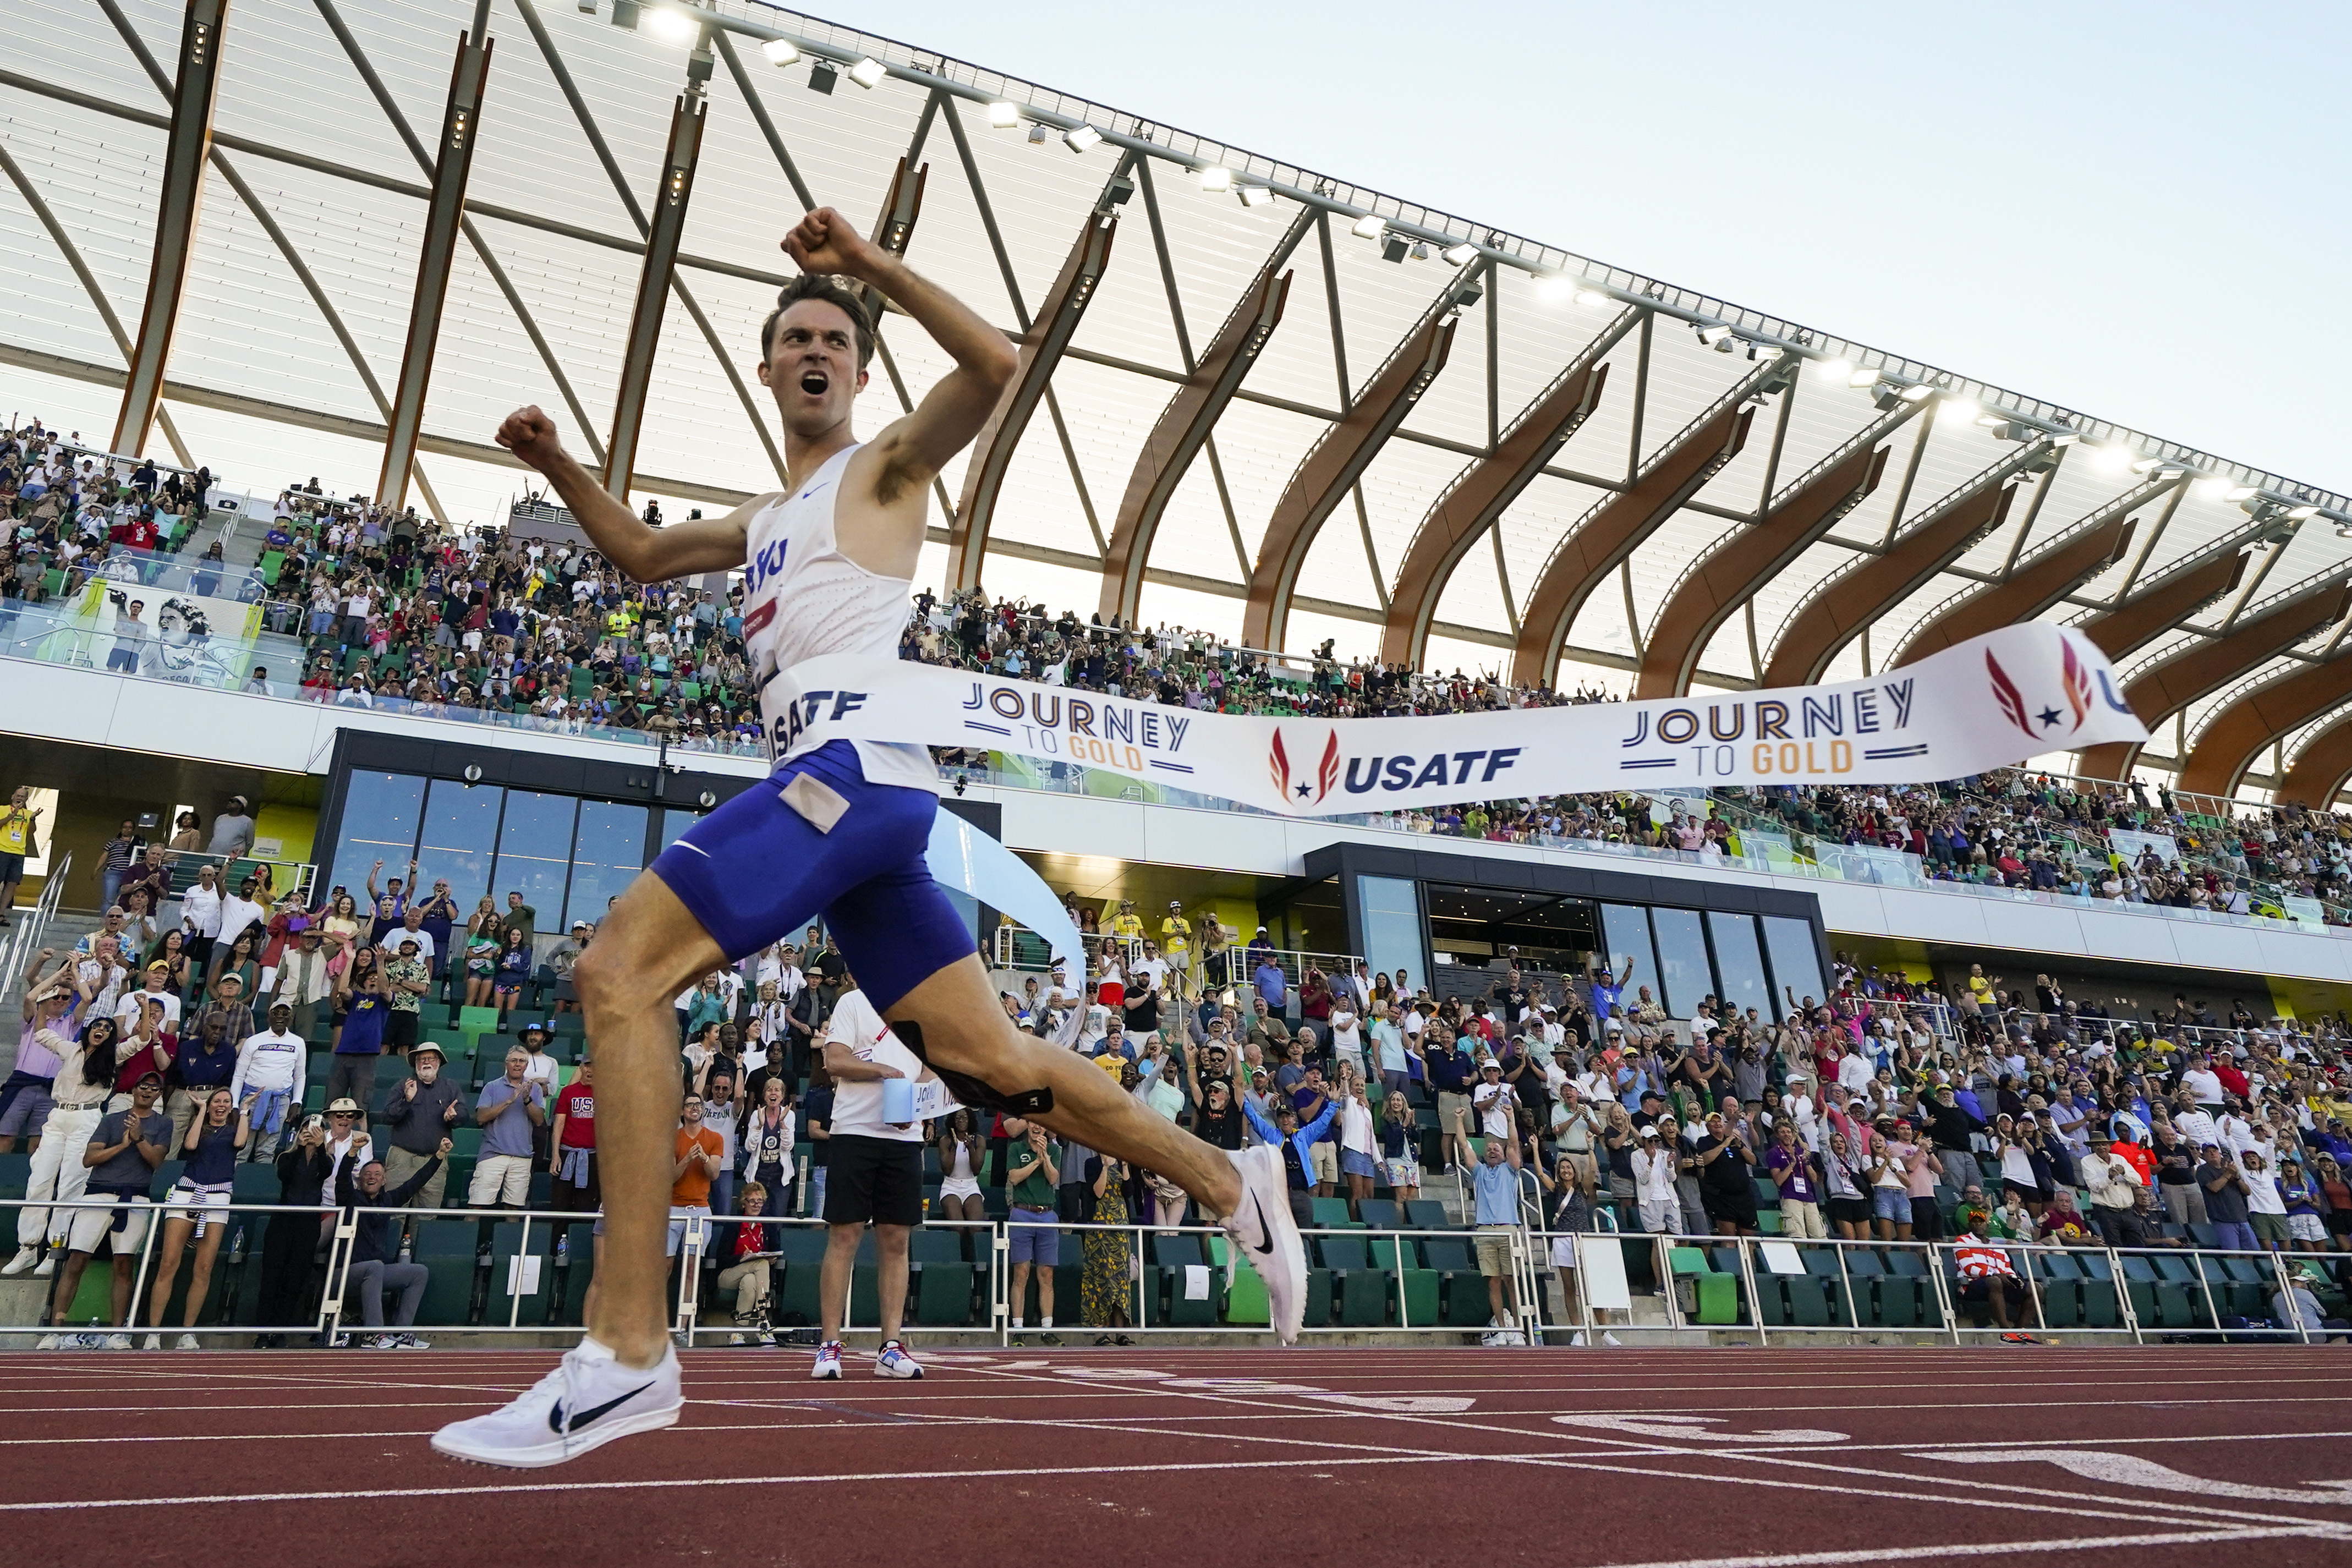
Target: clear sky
2137	210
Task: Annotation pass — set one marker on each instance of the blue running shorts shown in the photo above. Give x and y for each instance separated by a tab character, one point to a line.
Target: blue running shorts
757	871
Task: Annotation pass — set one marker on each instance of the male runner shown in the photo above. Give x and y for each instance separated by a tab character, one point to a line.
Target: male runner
840	828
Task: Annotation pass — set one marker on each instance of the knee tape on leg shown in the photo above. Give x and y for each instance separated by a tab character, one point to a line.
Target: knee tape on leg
969	1090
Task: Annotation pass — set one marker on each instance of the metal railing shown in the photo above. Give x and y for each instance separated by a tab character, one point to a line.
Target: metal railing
2102	1275
25	931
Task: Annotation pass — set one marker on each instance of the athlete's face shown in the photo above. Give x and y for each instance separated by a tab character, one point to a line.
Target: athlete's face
811	367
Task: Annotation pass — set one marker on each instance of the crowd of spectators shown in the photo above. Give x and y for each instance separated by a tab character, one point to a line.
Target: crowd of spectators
1889	1110
400	611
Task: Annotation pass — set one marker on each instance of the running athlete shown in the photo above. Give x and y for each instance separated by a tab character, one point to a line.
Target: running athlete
840	828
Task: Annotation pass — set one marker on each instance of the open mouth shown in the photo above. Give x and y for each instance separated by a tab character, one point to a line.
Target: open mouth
814	382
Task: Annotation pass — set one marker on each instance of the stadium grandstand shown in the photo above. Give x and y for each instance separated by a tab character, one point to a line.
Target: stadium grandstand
333	738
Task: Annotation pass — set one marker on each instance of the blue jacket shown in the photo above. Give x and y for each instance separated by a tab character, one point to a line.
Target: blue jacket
1302	1141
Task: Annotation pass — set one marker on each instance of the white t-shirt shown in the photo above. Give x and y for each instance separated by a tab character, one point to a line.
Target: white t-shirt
200	910
390	942
857	1107
126	1009
2204	1085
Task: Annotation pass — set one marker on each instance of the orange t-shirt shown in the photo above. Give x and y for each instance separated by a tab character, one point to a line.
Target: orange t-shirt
693	1189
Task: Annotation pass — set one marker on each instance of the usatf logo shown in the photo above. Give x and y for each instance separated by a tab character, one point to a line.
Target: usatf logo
1327	772
2043	724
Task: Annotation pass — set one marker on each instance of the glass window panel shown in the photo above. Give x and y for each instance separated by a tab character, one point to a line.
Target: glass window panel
1392	907
535	856
461	827
1796	960
1682	959
675	823
605	858
1625	928
380	813
1739	978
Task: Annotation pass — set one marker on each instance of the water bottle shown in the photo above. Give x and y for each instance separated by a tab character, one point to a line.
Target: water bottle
562	1250
236	1247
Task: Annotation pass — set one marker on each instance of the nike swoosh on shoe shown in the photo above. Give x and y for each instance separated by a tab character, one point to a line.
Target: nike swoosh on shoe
581	1418
1263	1229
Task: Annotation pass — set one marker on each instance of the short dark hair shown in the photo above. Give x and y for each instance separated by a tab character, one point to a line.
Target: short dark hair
832	291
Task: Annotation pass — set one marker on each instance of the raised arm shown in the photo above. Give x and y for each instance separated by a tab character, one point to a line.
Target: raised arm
646	553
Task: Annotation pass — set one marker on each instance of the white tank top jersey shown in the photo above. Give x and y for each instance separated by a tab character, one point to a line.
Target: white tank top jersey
802	598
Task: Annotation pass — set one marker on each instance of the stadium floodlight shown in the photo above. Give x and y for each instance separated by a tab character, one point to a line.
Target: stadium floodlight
2213	486
624	14
1216	177
2113	458
1713	334
1004	116
2146	465
1958	409
780	51
1552	288
821	75
869	72
1595	297
1835	370
1079	138
1394	248
2065	439
672	25
1421	251
1461	255
2241	492
1038	135
2302	513
1255	195
1371	226
1917	393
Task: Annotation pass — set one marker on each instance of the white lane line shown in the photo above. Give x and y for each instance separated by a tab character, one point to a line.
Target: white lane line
2069	1504
1944	1552
511	1489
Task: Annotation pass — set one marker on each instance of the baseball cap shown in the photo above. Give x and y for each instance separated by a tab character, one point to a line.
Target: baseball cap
1649	1131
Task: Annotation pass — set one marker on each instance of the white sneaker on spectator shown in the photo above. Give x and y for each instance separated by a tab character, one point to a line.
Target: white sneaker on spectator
154	1342
1612	1341
1576	1339
588	1399
47	1343
46	1267
1263	1227
25	1257
892	1361
382	1342
188	1342
118	1342
734	1339
410	1342
828	1360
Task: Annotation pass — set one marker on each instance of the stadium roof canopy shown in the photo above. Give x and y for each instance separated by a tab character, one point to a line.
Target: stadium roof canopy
1255	398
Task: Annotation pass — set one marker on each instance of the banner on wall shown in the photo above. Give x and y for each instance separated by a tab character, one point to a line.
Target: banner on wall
1991	702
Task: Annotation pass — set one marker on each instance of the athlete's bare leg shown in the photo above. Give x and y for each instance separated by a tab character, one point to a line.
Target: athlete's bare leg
645	951
965	1031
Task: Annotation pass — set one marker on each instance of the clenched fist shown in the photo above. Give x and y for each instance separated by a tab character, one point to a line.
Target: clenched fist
530	435
825	242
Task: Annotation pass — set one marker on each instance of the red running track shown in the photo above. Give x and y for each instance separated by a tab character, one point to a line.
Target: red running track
1730	1457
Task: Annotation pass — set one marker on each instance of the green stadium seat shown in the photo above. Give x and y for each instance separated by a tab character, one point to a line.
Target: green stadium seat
1426	1213
15	1174
1359	1291
943	1281
1245	1303
1164	1297
1331	1213
1379	1213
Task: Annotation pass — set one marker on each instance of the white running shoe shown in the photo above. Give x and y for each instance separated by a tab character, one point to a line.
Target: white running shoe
410	1342
893	1361
25	1257
188	1342
46	1267
1263	1228
588	1399
154	1342
118	1342
734	1339
828	1362
1576	1339
48	1342
1612	1341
